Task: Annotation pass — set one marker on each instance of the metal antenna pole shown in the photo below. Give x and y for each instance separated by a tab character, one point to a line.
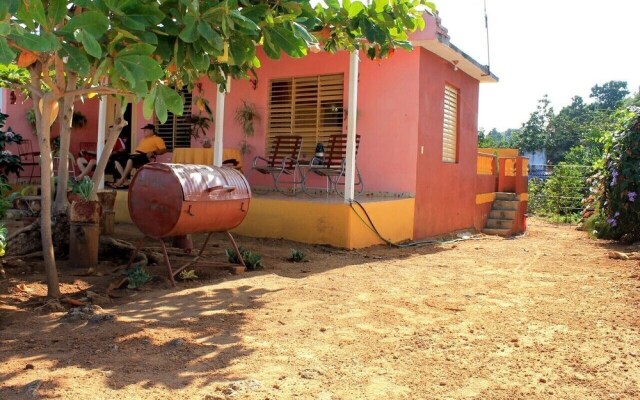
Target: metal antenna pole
486	25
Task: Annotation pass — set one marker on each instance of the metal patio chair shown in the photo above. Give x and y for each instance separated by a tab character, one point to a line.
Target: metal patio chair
281	160
29	158
333	164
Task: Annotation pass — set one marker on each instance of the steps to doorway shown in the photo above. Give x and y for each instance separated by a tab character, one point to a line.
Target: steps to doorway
502	215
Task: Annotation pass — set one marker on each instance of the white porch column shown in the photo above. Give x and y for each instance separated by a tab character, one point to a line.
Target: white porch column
102	122
219	125
349	177
2	99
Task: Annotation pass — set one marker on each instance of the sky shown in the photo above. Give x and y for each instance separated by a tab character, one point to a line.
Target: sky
561	48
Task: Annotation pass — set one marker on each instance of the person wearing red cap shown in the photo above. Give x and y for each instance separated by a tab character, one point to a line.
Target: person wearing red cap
150	146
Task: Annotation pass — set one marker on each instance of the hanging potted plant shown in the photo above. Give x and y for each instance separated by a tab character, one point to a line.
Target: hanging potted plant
84	219
200	126
246	116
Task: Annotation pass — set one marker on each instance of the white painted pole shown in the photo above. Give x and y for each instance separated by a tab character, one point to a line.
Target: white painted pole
102	122
219	124
349	177
2	99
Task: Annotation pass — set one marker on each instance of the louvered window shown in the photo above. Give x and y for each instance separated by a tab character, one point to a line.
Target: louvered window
311	107
176	132
450	126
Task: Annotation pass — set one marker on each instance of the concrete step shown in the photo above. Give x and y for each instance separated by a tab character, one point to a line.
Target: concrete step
502	214
499	223
506	196
496	231
505	205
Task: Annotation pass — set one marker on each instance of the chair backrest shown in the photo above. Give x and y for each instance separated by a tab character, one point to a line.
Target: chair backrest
25	151
88	146
283	147
337	150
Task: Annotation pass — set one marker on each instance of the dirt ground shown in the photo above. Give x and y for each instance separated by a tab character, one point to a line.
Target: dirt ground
543	316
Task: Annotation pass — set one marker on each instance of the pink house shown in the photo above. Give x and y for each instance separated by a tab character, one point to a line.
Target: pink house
416	114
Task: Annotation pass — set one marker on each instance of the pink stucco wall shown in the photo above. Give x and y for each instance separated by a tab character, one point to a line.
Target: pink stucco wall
445	195
387	113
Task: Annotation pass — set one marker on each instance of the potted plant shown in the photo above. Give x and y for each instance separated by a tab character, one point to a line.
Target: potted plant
246	115
84	219
199	126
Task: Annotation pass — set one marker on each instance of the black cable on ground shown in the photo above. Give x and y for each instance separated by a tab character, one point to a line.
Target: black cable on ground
373	228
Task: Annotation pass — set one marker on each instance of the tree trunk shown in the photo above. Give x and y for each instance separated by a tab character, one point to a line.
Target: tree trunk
66	111
44	120
29	239
112	137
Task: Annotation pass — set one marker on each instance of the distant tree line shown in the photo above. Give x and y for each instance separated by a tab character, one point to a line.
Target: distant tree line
574	134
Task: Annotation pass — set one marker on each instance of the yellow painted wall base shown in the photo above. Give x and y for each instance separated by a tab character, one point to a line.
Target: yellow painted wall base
336	224
122	207
485	198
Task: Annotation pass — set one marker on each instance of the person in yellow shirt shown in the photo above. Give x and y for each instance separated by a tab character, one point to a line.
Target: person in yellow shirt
150	146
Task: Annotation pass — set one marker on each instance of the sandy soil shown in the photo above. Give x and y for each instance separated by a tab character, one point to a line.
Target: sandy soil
544	316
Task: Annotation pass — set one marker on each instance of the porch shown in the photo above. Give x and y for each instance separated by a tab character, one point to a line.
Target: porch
325	219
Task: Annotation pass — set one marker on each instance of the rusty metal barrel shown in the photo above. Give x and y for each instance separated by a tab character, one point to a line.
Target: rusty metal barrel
178	199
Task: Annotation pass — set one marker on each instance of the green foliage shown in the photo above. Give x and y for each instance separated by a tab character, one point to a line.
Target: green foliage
3	240
533	134
9	163
609	95
199	125
82	188
560	197
188	275
297	256
576	133
6	200
597	226
246	114
496	139
618	182
253	261
138	276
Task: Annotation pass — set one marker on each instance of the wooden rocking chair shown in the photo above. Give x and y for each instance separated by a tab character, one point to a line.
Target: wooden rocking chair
282	160
333	164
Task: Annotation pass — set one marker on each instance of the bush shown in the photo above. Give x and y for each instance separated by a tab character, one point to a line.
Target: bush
252	261
297	256
3	240
9	162
619	179
138	276
560	197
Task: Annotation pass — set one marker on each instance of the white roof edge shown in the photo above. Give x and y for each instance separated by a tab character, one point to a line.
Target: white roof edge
446	50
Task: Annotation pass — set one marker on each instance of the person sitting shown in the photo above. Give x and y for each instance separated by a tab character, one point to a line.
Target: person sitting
150	146
87	159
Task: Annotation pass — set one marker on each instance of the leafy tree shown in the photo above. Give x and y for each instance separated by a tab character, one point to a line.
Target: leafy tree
609	95
496	139
147	48
533	134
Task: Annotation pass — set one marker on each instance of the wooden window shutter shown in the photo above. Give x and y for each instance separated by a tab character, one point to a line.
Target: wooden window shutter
450	125
311	107
176	131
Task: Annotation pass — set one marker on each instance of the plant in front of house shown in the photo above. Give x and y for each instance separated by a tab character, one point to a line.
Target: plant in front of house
246	115
199	126
297	256
9	162
137	276
620	179
252	261
82	188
